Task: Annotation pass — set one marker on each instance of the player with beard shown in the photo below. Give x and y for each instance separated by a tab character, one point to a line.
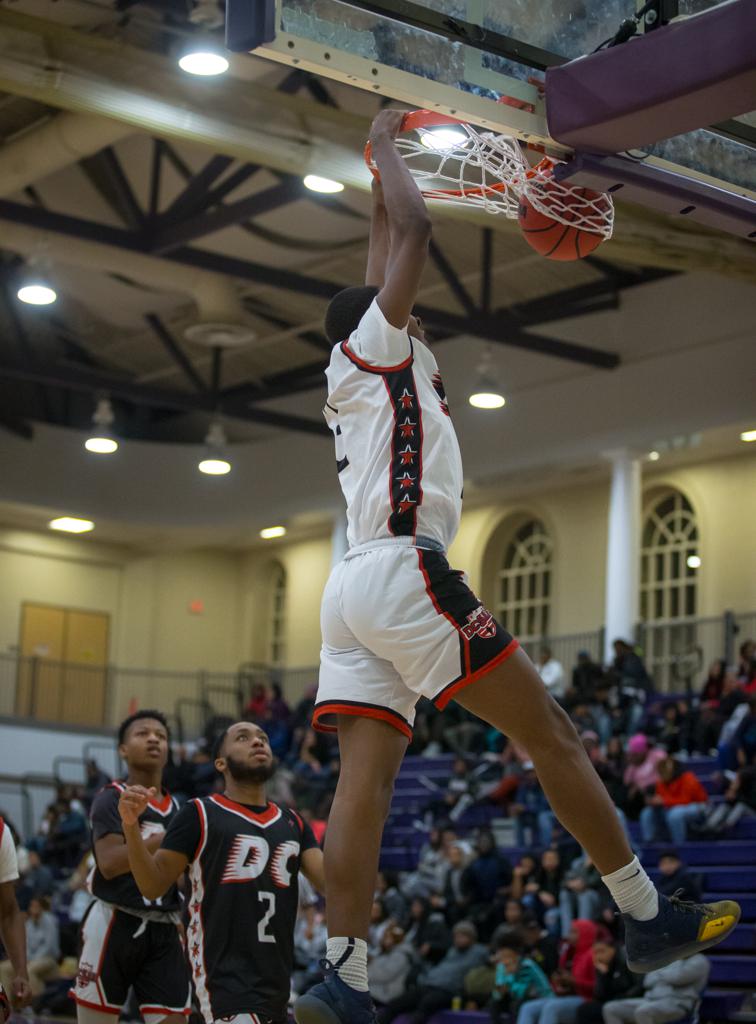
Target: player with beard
244	855
128	941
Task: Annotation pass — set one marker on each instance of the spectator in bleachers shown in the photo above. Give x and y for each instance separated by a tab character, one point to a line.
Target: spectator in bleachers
670	994
437	986
204	776
633	684
388	891
95	779
642	772
674	732
514	914
486	883
379	922
518	979
67	837
746	654
610	775
531	810
710	718
739	802
745	736
428	933
257	706
615	755
458	787
42	948
390	968
586	674
711	691
540	945
541	895
36	880
452	897
679	799
278	707
613	981
579	896
178	777
677	878
573	981
552	673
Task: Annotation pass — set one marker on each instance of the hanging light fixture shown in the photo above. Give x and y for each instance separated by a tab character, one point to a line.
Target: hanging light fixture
486	393
34	288
101	440
214	461
203	56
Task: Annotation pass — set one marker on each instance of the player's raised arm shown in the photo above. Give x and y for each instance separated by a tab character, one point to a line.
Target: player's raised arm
380	240
154	873
409	225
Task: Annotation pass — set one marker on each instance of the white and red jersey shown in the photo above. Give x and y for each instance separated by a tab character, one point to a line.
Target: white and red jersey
397	453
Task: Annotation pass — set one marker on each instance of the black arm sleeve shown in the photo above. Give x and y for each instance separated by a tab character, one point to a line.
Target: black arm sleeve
104	815
184	832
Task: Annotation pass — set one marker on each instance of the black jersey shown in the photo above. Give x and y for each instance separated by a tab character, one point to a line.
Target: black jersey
244	868
105	818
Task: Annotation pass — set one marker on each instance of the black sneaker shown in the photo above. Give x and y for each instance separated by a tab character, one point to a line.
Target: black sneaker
680	929
334	1002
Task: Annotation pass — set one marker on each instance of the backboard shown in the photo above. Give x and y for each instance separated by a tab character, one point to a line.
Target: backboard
483	61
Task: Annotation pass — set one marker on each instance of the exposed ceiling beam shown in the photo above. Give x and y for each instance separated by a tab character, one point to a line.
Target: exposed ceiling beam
268	199
494	328
193	197
92	381
449	274
175	351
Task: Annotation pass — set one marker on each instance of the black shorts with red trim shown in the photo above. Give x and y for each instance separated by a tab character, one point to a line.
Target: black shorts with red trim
399	624
120	950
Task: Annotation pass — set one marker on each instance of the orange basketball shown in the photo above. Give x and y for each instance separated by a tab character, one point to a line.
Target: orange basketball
551	238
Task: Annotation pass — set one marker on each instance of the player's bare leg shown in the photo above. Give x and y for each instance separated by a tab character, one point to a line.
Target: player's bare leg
371	754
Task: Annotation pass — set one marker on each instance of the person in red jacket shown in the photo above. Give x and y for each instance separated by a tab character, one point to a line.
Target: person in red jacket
679	799
573	981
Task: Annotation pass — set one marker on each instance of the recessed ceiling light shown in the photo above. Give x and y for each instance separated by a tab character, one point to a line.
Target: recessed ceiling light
70	524
101	445
35	293
326	185
748	435
272	531
654	456
487	400
693	562
203	62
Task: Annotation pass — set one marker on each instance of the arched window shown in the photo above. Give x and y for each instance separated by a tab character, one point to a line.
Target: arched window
670	635
277	616
669	559
523	587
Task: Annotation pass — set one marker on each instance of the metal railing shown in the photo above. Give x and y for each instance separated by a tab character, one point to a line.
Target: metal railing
677	653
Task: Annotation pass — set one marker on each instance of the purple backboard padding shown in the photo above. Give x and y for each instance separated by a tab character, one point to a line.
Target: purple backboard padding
684	76
663	190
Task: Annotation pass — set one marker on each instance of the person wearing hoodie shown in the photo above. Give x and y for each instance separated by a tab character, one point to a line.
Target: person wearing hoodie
669	994
390	968
573	981
614	980
440	984
679	799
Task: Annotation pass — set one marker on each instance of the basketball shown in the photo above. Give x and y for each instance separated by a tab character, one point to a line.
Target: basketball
553	239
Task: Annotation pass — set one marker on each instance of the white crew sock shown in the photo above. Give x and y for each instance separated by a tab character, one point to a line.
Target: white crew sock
633	891
349	957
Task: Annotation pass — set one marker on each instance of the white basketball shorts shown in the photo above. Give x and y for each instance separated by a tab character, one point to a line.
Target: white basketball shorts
399	624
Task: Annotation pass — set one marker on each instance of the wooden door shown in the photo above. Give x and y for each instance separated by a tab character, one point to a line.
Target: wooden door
42	644
85	676
63	672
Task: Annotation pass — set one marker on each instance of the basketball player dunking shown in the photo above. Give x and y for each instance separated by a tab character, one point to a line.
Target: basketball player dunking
128	940
398	623
244	856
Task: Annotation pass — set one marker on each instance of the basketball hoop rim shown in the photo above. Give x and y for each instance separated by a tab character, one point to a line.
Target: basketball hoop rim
415	119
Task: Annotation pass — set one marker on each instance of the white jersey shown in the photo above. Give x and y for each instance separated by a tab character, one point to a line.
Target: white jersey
8	860
397	454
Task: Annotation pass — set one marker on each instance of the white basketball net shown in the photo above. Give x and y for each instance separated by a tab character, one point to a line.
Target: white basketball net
460	164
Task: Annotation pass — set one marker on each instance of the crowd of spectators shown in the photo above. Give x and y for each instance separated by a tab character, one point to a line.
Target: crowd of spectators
531	935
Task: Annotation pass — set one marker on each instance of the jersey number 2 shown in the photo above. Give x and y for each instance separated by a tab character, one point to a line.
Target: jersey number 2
262	924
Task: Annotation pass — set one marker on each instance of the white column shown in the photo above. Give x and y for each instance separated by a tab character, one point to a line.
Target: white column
623	549
339	542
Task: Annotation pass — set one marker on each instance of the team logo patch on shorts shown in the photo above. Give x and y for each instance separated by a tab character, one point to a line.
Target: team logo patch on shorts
87	975
480	623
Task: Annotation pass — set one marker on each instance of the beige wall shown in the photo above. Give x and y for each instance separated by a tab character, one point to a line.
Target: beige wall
148	597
